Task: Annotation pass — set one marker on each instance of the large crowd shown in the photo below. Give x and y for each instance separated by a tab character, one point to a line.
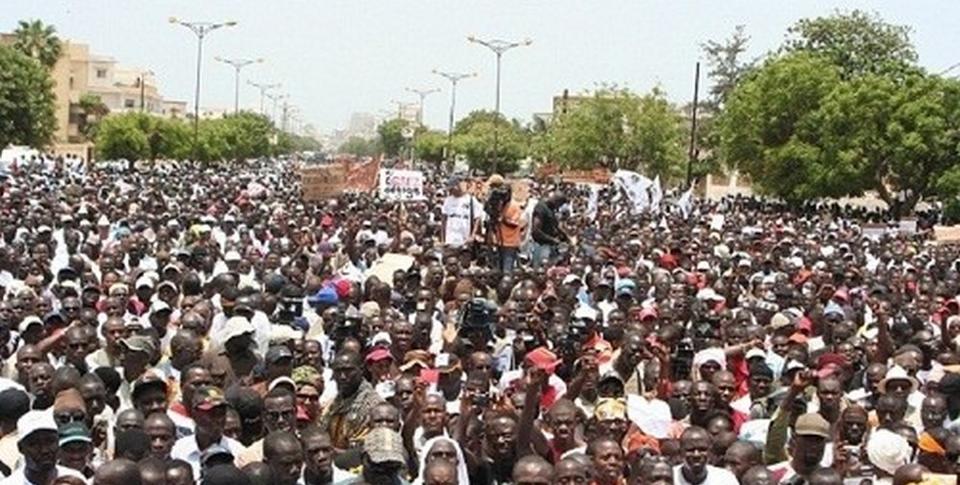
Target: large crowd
177	324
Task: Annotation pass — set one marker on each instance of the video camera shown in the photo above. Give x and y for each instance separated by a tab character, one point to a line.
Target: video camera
476	320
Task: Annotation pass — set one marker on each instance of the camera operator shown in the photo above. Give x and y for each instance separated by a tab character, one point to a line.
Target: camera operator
507	224
547	234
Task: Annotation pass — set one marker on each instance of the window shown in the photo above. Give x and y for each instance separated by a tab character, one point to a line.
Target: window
101	73
129	103
71	82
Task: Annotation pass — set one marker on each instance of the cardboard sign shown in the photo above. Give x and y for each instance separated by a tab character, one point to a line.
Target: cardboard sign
401	184
323	181
362	176
384	267
908	226
946	234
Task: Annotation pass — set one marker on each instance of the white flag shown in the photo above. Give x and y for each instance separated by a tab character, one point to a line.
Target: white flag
656	195
635	186
685	202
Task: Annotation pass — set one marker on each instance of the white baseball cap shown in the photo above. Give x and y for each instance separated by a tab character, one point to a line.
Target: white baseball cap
35	421
235	327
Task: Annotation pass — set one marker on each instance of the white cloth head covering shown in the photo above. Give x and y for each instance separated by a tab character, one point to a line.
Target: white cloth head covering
714	354
888	451
462	476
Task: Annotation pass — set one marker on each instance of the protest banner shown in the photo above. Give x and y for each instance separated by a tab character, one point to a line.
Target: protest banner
362	176
322	181
401	184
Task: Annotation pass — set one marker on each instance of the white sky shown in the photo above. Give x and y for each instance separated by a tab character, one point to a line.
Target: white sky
336	57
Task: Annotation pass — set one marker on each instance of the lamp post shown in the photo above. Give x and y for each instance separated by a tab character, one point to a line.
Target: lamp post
498	47
237	65
142	81
263	87
275	98
200	29
422	93
454	78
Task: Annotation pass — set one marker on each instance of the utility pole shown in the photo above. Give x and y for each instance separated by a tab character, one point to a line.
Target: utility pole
237	65
454	78
200	29
693	127
498	47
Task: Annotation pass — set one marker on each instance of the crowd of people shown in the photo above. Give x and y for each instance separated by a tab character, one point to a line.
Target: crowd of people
189	324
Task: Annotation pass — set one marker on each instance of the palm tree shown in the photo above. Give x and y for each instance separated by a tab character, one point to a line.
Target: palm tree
38	41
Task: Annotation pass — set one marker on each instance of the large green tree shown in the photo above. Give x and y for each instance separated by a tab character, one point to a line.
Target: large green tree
39	41
429	145
857	42
26	101
122	137
594	131
476	135
390	135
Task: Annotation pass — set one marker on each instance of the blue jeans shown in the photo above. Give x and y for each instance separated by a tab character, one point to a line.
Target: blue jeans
541	253
508	259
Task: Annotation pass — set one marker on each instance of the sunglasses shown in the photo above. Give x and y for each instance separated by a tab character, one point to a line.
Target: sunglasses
70	417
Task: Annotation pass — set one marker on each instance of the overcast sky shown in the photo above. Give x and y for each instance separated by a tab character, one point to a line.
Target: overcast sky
336	57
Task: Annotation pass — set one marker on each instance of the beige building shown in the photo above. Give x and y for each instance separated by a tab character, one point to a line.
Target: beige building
78	72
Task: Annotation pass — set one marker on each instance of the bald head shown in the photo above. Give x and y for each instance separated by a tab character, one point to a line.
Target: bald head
117	472
909	473
532	469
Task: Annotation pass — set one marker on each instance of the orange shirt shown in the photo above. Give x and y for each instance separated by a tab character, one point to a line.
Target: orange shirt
511	226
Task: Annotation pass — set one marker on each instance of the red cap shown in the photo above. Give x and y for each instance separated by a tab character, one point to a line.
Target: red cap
841	295
647	314
326	221
343	288
668	261
378	354
543	358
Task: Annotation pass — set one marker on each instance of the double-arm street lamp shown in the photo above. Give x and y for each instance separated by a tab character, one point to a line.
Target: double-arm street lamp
200	29
263	87
422	93
498	47
454	78
237	65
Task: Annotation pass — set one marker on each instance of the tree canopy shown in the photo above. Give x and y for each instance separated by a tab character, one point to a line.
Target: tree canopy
615	127
234	137
858	43
26	101
841	109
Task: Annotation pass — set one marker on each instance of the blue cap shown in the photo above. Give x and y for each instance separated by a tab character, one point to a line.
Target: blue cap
326	296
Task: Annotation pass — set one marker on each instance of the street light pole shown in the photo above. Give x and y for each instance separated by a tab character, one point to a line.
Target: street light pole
454	78
200	29
275	98
237	65
423	93
143	82
498	47
263	87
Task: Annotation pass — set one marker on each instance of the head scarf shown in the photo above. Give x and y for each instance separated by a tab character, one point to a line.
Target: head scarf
462	476
888	450
713	354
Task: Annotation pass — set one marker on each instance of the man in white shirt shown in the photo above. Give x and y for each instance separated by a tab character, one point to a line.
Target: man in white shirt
461	215
696	445
38	441
209	415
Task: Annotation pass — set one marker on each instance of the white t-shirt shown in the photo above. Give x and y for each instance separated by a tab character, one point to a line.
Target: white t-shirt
715	476
457	212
